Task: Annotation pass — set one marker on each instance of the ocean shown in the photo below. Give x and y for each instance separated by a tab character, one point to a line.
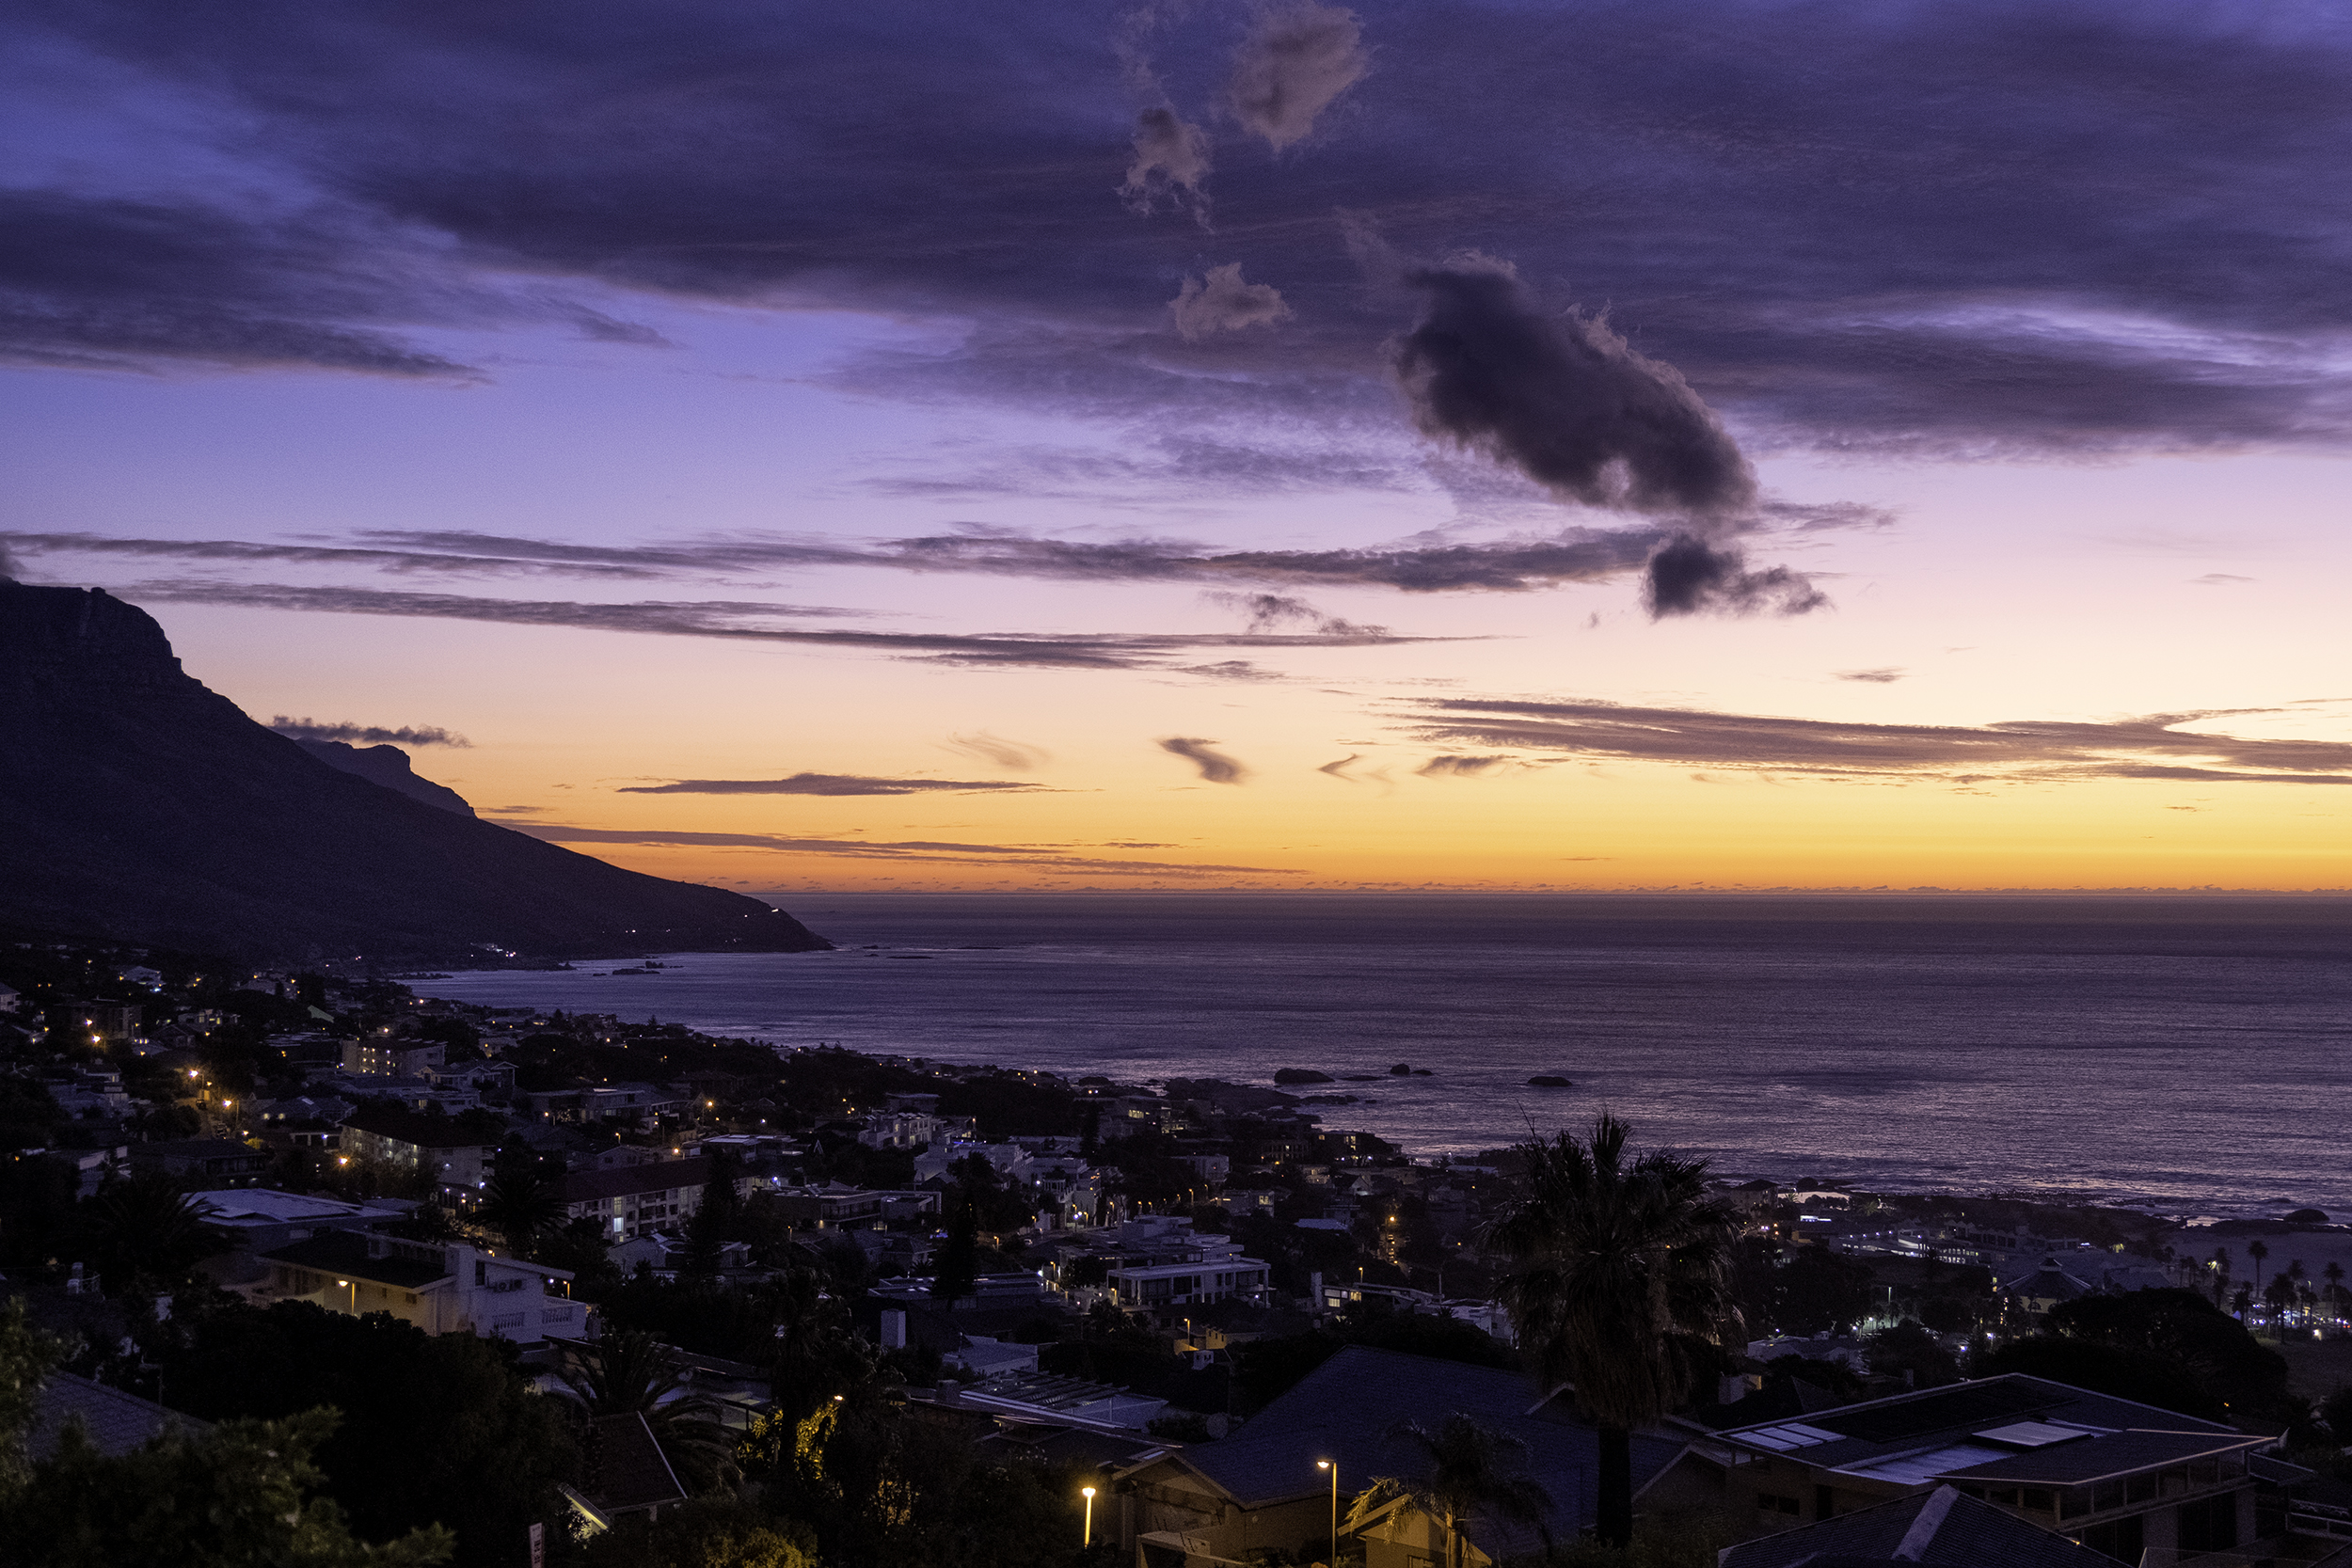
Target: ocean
2184	1053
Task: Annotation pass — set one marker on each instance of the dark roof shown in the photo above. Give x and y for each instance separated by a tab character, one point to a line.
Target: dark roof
1938	1527
589	1186
1348	1408
632	1472
346	1252
1908	1426
195	1149
1058	1445
2069	1463
411	1127
115	1422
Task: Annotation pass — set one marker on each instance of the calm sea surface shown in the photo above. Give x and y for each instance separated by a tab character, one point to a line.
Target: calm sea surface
2189	1054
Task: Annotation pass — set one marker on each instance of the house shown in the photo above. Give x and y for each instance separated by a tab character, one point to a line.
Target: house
1033	1396
1260	1490
632	1105
211	1162
382	1056
900	1128
1169	1285
627	1201
115	1422
261	1218
1012	1163
400	1137
442	1287
2115	1475
1938	1527
627	1472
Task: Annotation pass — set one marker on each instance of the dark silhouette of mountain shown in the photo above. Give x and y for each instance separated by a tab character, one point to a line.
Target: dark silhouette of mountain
135	805
387	766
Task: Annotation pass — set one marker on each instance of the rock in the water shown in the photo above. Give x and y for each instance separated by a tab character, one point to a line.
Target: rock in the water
1301	1075
1401	1071
1549	1080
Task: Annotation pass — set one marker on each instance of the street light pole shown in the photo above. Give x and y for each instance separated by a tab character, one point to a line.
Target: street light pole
1088	1493
1333	1466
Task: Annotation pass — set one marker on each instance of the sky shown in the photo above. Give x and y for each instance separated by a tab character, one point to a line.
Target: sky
1214	444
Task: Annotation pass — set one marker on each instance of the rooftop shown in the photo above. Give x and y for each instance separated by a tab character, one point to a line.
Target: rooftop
346	1253
115	1422
1938	1527
588	1186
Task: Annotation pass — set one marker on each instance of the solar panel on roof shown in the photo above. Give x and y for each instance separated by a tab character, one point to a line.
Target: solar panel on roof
1954	1407
2032	1434
1784	1436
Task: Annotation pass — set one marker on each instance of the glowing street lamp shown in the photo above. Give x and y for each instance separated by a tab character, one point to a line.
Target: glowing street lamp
1333	1467
1088	1493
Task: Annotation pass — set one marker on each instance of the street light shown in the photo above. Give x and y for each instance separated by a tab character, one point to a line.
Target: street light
355	1295
1088	1493
1327	1465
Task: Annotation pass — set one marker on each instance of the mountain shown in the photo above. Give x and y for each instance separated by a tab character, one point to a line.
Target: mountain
387	766
137	805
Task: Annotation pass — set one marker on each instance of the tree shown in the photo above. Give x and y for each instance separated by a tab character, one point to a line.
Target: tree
957	1268
1822	1292
238	1494
1907	1347
520	1205
2258	1252
143	1229
1619	1284
629	1372
445	1429
1467	1475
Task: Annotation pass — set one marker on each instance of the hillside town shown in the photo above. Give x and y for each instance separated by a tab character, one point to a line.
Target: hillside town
583	1288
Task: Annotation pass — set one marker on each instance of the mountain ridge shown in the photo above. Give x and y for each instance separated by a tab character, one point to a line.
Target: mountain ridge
141	806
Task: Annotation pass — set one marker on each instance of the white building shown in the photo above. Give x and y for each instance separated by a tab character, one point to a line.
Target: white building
442	1287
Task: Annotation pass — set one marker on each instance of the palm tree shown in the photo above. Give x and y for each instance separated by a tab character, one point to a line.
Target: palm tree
2334	1274
2257	1252
627	1373
1467	1475
2220	1262
144	1227
520	1207
1619	1283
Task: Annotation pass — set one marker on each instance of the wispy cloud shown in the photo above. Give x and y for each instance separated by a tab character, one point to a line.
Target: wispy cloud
1884	677
984	747
921	852
2154	746
368	735
831	785
746	621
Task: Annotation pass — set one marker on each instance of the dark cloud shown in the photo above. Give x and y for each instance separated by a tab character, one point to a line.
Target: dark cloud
1215	766
1979	227
1562	397
1575	555
1688	576
1003	753
1339	770
1221	302
1296	59
744	621
914	853
1887	676
1269	611
830	784
2151	747
1172	162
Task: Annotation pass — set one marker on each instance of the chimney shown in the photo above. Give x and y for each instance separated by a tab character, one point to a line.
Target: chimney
893	1329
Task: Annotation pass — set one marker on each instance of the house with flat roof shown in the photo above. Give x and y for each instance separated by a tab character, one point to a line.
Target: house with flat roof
400	1137
442	1287
2114	1475
257	1219
1162	1286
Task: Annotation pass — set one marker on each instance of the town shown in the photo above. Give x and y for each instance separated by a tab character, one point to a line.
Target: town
585	1289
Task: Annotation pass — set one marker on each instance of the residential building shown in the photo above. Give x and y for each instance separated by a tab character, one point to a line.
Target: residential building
400	1137
113	1422
900	1128
1941	1526
387	1056
2118	1476
259	1219
1012	1163
442	1287
1173	1285
633	1199
1259	1489
1044	1395
211	1161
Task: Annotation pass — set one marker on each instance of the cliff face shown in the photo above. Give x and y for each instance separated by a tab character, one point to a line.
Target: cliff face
138	805
387	766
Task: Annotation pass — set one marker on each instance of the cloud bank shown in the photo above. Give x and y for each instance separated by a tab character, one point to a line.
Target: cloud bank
368	735
831	785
